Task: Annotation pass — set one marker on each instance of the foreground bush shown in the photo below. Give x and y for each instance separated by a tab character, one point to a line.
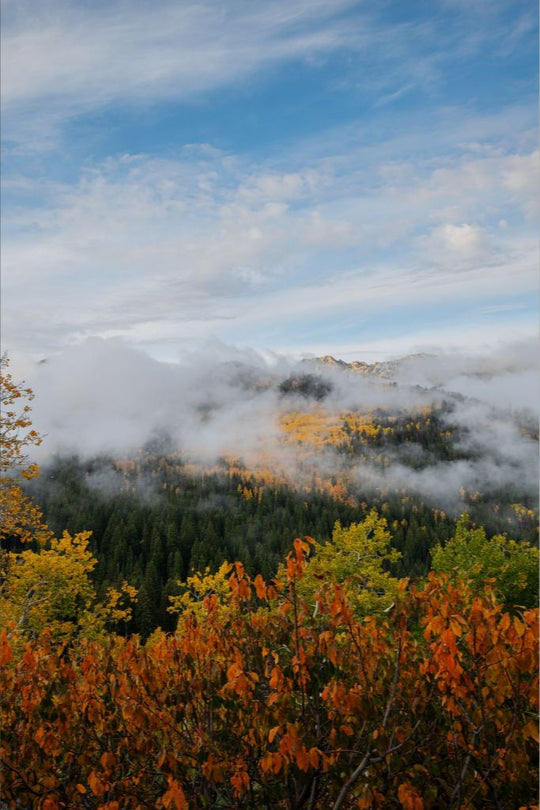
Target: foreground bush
265	699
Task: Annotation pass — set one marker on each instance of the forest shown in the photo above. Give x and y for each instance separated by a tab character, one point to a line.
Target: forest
178	634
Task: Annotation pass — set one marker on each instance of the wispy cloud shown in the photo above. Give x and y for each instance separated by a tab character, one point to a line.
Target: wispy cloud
394	197
150	247
62	59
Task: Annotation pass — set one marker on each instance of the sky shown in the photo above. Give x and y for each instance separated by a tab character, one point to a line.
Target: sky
300	177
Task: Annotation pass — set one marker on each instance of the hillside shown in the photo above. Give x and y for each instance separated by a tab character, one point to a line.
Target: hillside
259	631
157	515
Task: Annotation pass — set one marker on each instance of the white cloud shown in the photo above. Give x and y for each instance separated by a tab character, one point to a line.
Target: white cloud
156	249
469	338
464	241
387	289
61	59
209	404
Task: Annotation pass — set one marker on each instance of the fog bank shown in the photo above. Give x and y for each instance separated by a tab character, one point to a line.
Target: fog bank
104	397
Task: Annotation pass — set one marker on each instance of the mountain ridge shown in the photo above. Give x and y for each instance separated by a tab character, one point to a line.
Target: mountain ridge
387	369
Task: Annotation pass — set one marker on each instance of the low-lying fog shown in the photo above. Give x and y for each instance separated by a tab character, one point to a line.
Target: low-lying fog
104	397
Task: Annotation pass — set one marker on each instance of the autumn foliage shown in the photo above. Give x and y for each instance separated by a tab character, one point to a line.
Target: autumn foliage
272	703
20	518
319	689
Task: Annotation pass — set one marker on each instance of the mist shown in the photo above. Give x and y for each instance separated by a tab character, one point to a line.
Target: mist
104	397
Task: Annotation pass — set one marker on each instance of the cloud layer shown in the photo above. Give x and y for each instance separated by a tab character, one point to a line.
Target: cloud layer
62	60
159	251
295	176
73	58
105	397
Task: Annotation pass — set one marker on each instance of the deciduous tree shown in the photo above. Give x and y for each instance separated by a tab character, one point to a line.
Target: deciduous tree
470	554
20	519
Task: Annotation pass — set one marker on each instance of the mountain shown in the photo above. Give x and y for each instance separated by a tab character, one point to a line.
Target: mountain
387	369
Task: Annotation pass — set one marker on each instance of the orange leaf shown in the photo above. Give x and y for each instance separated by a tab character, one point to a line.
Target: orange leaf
260	586
233	671
403	584
29	657
275	677
243	589
409	798
161	760
240	783
107	761
314	757
271	592
266	763
504	624
5	649
39	736
175	796
278	762
272	733
530	730
302	759
336	607
95	784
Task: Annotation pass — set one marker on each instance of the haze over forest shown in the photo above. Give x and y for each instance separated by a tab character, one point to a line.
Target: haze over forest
228	402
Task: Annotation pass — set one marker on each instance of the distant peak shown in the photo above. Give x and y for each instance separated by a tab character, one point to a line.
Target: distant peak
385	369
330	361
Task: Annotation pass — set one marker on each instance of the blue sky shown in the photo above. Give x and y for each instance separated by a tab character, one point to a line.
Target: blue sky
297	176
